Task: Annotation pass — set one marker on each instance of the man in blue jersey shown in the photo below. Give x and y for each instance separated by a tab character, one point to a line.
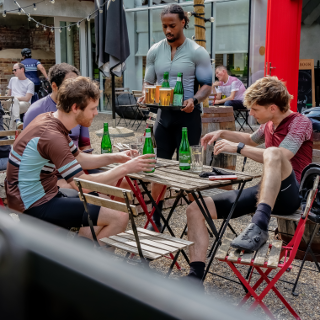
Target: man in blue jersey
31	68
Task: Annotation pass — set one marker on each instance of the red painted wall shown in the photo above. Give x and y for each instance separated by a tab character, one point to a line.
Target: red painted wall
283	43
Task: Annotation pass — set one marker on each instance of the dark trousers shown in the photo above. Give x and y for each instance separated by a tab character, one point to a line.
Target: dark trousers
236	104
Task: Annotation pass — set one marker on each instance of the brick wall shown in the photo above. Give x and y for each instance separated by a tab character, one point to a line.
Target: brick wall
35	39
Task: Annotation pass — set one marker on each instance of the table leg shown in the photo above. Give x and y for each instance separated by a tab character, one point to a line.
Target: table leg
222	230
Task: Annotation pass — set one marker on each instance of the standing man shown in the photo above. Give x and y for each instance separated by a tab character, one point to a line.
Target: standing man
32	66
22	89
231	87
177	54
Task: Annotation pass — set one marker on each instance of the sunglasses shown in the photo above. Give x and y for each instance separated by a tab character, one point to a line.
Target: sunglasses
14	70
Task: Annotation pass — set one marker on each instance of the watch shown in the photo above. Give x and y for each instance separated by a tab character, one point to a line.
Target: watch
240	147
195	101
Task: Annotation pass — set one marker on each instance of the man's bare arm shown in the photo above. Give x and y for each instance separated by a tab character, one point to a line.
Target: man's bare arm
41	68
26	98
233	136
203	93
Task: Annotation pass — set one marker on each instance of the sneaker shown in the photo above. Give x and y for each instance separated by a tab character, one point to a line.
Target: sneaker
150	226
19	124
251	238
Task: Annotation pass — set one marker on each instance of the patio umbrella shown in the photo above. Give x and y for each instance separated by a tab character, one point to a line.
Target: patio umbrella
112	41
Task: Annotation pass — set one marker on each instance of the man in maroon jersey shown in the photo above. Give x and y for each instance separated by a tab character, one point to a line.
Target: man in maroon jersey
288	140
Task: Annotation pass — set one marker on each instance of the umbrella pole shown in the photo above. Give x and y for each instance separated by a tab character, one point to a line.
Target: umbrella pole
113	90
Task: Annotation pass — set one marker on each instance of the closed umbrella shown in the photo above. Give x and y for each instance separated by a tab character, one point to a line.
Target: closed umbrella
112	41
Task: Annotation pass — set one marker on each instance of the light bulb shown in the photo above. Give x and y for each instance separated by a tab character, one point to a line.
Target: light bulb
52	30
78	24
19	11
88	18
101	9
29	18
189	14
212	19
37	25
60	30
4	13
193	37
44	28
34	7
69	28
52	1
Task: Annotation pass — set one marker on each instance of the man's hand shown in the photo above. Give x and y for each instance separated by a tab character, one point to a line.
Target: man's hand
210	138
125	156
141	163
189	105
225	146
216	84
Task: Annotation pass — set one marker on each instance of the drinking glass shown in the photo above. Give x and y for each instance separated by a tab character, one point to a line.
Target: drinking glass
196	158
135	146
165	96
152	93
157	96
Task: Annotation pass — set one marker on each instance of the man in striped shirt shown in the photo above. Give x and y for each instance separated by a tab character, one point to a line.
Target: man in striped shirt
45	148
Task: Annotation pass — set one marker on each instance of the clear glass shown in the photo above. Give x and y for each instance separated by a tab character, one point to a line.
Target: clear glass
196	158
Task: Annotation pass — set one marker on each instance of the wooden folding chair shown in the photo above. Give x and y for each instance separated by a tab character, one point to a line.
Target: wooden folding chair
259	259
147	244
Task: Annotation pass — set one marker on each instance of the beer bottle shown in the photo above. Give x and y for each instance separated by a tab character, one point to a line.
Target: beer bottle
148	146
106	145
178	91
165	83
153	140
184	151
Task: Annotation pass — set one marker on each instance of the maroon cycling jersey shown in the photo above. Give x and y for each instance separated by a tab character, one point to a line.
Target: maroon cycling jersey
294	133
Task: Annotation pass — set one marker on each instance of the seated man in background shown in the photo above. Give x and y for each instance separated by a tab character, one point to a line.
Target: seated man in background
45	148
229	86
22	89
288	139
79	134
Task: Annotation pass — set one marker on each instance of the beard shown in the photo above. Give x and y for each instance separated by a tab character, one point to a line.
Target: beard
172	39
83	121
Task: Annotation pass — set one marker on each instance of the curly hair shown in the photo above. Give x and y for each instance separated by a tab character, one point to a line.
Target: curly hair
58	72
77	91
176	9
267	91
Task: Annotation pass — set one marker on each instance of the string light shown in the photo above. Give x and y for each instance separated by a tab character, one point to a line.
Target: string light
21	10
212	19
4	13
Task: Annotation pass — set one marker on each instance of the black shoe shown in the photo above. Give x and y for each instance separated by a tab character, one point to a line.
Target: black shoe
150	226
250	239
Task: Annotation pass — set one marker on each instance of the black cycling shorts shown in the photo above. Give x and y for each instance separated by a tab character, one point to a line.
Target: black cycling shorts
65	210
288	200
168	135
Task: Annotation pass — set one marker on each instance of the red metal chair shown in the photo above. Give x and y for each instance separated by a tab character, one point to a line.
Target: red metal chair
256	261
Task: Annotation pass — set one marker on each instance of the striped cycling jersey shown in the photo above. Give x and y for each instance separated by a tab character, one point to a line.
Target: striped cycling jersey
41	151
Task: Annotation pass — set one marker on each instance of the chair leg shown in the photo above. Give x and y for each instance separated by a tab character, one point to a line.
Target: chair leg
173	263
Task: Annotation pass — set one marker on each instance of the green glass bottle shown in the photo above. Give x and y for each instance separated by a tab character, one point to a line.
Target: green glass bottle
106	145
165	83
148	146
178	91
153	141
184	151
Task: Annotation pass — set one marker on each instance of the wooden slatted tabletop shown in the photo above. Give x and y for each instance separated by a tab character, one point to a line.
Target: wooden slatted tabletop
168	173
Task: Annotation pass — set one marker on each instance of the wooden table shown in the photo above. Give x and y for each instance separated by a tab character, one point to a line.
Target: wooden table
169	175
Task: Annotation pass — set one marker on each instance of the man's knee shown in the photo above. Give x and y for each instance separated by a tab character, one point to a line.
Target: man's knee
228	103
272	154
193	212
123	219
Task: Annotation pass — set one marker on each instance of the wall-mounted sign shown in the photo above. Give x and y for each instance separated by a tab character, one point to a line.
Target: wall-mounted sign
306	94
